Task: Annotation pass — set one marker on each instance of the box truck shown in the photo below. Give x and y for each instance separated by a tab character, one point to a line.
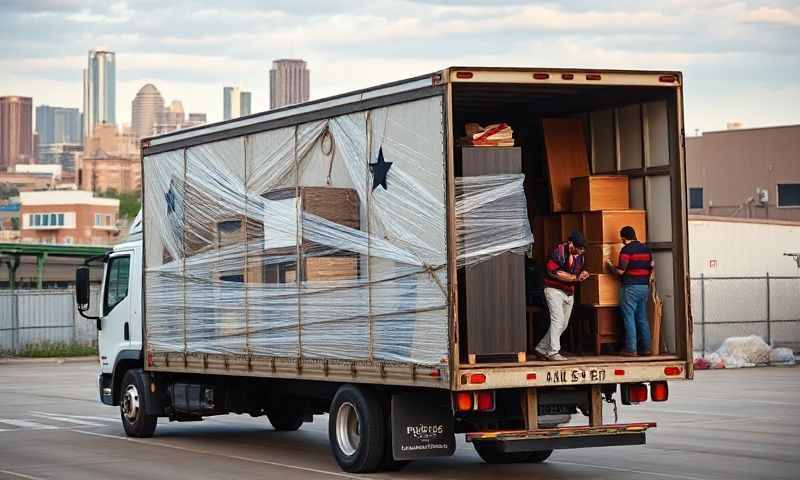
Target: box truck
377	256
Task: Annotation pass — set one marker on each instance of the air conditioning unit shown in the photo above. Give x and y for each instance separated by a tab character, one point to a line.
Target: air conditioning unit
762	196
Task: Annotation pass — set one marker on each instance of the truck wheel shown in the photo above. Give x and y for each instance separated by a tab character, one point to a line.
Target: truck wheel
131	406
285	420
357	429
491	453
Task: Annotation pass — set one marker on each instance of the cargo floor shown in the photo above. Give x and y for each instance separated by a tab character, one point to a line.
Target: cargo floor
578	360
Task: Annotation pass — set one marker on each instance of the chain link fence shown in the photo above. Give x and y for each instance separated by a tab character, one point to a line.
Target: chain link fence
32	317
767	306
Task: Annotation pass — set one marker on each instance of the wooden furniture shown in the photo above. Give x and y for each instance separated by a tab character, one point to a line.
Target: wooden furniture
598	253
557	229
600	192
566	157
597	326
318	262
494	290
599	289
604	226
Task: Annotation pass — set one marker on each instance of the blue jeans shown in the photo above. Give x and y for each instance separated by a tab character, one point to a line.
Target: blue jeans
633	303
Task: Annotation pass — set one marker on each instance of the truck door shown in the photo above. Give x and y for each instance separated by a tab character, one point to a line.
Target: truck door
115	332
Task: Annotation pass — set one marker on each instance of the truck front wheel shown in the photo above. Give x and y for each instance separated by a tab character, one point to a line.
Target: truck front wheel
491	453
131	406
357	429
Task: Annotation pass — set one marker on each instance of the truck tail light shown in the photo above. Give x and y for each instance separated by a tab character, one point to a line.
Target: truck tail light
633	393
485	400
659	391
593	76
672	371
464	75
477	378
464	401
667	79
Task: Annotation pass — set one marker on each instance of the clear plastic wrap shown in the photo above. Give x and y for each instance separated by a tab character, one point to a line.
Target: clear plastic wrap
277	244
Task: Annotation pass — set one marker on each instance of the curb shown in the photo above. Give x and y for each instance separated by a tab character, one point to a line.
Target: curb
49	360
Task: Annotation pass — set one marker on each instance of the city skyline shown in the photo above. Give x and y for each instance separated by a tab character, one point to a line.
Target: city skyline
99	90
737	60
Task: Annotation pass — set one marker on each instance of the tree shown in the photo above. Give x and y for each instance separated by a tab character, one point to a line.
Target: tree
129	203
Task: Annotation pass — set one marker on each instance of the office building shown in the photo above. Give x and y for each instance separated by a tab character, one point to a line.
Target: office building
58	125
231	102
66	155
289	83
99	90
16	131
245	103
196	119
111	161
147	111
68	217
745	173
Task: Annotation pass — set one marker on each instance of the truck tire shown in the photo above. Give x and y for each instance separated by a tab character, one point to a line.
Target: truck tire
357	429
285	420
131	406
490	453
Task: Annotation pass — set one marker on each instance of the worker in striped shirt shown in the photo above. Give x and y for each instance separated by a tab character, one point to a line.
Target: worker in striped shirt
636	268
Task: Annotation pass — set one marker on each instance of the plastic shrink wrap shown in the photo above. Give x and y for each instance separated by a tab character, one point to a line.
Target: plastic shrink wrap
283	243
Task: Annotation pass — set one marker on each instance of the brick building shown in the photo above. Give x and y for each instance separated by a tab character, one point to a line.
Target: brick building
68	217
102	171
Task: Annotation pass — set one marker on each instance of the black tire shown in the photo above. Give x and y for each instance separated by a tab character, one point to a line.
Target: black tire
360	443
132	398
490	453
285	420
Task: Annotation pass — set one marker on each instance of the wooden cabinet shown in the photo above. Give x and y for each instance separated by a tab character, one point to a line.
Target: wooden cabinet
604	226
557	229
598	253
566	156
597	326
599	289
600	192
494	290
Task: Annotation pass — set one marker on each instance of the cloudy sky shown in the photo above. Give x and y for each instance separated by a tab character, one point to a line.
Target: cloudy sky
740	58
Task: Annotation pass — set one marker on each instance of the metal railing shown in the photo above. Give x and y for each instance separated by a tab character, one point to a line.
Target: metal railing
768	306
30	317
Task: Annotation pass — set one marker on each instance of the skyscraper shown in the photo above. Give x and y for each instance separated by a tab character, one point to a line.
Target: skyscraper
147	111
16	131
99	90
288	82
231	102
197	119
58	125
245	100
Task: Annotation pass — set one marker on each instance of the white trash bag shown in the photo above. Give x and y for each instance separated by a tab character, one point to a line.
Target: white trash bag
781	356
737	352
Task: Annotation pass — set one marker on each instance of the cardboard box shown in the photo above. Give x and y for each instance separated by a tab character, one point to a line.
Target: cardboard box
598	253
600	192
599	289
604	226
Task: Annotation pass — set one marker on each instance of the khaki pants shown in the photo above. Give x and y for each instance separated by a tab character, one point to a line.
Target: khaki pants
560	306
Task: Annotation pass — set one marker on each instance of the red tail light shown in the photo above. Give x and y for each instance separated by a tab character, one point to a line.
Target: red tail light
659	391
637	393
667	78
672	371
485	401
464	401
464	75
531	376
619	372
593	76
541	76
567	76
477	378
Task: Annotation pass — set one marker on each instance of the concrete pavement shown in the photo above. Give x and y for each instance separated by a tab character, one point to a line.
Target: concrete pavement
735	424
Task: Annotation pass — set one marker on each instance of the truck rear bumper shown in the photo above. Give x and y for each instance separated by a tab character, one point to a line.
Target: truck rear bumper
566	437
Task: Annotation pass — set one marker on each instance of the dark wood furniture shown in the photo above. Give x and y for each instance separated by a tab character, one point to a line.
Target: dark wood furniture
566	157
494	290
596	326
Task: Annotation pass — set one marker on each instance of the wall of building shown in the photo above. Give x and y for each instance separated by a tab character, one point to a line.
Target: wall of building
730	165
123	174
725	247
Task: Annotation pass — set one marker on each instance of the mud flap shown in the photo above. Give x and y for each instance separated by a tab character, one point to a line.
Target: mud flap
422	425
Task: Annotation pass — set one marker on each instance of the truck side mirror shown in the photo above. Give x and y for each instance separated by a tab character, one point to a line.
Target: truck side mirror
82	294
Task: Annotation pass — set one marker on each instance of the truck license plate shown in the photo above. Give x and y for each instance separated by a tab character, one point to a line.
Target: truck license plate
576	375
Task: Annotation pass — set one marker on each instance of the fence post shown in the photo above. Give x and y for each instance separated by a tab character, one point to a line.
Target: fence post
703	311
15	322
769	314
